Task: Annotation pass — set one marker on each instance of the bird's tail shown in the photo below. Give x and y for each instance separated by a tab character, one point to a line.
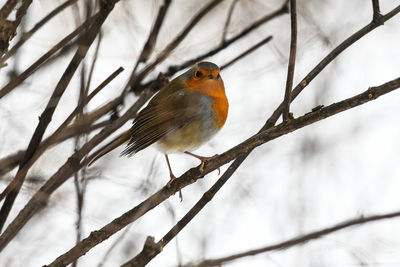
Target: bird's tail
119	140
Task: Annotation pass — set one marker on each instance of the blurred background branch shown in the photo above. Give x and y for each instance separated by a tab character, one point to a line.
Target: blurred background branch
297	240
231	33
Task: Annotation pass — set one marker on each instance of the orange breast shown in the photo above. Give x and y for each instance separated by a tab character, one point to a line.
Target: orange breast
220	107
216	90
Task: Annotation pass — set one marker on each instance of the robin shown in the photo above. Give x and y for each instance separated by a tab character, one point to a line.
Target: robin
184	114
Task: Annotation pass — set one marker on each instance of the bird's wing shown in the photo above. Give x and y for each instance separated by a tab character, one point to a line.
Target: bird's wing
167	111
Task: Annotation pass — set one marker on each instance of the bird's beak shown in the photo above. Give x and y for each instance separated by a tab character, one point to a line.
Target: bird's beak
210	77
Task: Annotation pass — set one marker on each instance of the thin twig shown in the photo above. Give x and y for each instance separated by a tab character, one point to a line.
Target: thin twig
248	51
146	204
85	125
297	240
376	11
62	52
175	68
328	59
80	175
80	189
272	120
82	125
96	53
47	114
151	41
21	12
7	8
194	174
39	199
274	117
8	28
28	213
171	211
53	138
25	74
27	35
136	79
80	179
113	245
228	21
292	61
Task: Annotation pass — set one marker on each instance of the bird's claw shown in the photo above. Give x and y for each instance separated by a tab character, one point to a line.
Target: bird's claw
205	160
172	178
180	195
202	166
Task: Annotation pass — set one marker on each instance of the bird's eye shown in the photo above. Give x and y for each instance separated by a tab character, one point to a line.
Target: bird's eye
197	74
218	76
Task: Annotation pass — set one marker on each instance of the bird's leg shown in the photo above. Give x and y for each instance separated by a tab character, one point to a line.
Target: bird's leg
172	176
203	160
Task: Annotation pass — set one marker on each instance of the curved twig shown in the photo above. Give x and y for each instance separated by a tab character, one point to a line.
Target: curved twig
297	240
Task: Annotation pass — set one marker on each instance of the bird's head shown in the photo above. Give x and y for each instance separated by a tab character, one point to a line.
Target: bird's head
205	78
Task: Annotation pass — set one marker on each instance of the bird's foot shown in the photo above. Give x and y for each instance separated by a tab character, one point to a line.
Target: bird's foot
203	160
172	178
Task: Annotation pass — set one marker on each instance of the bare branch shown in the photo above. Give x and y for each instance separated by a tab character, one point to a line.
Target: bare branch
328	59
80	178
60	177
114	244
228	20
20	78
292	61
39	199
192	175
52	139
47	114
7	8
274	117
136	79
96	53
8	28
175	68
21	12
297	240
151	41
248	51
376	11
27	35
80	125
152	201
84	125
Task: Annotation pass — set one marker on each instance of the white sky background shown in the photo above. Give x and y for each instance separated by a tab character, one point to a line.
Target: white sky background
337	169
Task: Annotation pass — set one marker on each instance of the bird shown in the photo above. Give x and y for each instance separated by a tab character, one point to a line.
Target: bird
182	116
